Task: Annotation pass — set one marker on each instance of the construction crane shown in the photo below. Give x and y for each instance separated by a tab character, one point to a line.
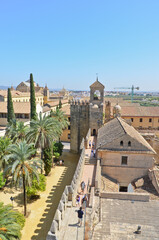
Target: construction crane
132	90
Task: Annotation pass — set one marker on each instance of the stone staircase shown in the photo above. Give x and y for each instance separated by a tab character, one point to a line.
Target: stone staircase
91	161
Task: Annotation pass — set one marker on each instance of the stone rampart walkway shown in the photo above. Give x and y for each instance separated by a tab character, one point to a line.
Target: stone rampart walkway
69	229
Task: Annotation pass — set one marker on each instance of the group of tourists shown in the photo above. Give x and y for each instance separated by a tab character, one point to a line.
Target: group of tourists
93	150
83	203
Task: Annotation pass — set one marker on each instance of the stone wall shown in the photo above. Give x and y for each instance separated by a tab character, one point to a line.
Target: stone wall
67	199
153	178
79	123
137	165
98	178
126	196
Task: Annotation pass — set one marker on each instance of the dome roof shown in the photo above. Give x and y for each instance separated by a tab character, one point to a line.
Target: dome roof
117	107
95	106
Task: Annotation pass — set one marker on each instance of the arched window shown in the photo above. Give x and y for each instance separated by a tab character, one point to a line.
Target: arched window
129	144
121	143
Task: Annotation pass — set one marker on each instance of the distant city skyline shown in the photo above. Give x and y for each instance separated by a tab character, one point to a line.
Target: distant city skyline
65	43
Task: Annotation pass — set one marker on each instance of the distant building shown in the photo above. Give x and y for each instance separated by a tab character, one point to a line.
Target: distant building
66	135
140	117
21	110
25	87
18	96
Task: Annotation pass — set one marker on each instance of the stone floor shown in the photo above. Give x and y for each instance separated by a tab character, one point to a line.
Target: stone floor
70	229
120	219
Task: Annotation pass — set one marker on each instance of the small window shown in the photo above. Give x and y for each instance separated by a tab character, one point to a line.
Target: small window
124	160
150	119
132	119
69	127
121	143
140	119
69	119
68	136
129	144
123	189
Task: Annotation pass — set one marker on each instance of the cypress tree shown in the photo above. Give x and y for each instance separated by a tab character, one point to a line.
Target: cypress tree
32	98
10	109
60	104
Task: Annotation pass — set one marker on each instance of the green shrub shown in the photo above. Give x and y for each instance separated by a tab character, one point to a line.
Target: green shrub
2	181
58	147
37	186
20	219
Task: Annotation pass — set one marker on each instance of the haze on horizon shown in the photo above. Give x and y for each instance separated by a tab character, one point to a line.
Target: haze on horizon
65	43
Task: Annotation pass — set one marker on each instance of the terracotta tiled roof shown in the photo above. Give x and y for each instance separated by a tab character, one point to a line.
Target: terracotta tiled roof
19	107
110	135
66	109
97	84
18	93
56	103
139	111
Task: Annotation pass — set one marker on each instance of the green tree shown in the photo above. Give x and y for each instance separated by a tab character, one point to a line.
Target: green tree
37	186
32	98
21	167
60	117
2	180
16	130
10	109
47	160
4	143
11	223
60	104
58	148
43	131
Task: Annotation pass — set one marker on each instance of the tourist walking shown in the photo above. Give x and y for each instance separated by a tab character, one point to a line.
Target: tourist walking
90	143
84	201
77	200
80	216
83	185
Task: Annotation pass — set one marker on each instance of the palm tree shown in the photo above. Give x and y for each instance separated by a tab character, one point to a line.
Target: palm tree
43	132
9	224
21	167
59	116
11	129
16	130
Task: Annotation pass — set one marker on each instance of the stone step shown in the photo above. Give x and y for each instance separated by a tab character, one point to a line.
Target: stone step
92	161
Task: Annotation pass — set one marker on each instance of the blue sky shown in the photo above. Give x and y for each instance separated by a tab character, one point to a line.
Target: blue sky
66	42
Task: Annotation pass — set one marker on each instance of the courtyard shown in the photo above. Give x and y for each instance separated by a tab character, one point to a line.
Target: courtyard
41	211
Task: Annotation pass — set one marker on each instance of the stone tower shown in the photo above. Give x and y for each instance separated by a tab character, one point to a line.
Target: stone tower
79	123
107	111
46	94
96	106
85	115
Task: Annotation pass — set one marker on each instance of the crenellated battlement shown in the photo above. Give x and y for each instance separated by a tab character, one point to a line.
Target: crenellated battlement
78	102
